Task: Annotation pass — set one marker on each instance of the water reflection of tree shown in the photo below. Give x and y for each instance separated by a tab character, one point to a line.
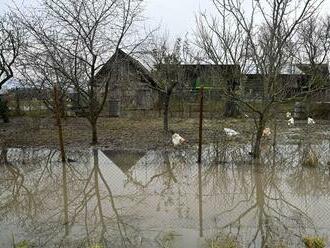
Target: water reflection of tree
246	192
31	195
310	182
304	180
169	179
14	191
275	217
104	222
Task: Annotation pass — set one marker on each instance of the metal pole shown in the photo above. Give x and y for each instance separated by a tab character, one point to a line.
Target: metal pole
200	200
199	161
59	124
200	125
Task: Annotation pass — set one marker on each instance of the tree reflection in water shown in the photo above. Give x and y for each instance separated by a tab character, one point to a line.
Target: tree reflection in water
53	201
96	201
262	209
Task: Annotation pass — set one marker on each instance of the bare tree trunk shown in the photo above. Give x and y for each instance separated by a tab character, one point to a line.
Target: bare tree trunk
59	124
167	98
17	107
94	132
257	143
166	110
3	156
62	106
231	109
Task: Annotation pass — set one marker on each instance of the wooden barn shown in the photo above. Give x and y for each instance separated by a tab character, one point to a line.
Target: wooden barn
128	86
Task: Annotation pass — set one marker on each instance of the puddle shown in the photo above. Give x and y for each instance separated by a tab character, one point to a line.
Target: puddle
163	198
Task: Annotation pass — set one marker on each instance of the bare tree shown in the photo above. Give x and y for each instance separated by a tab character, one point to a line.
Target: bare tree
37	70
76	38
166	61
11	41
265	32
313	39
222	41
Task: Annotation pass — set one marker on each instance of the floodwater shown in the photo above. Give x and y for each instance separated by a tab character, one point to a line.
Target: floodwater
163	198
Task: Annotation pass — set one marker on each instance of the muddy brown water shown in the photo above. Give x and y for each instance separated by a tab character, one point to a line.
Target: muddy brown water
163	198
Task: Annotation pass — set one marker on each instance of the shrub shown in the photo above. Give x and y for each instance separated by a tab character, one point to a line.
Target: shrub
314	242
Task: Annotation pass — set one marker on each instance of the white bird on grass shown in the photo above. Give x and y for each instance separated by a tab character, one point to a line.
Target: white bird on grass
266	132
230	132
291	122
288	115
177	139
310	121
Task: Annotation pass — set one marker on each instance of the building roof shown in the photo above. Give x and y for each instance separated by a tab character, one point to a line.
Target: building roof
30	93
196	69
307	68
121	57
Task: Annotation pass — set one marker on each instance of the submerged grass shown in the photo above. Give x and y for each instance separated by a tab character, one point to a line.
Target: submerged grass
314	242
310	159
23	244
222	241
167	239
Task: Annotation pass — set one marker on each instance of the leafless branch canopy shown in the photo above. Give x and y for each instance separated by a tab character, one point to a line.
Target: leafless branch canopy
11	41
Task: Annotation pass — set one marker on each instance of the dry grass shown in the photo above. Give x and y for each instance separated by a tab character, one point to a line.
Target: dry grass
129	133
134	133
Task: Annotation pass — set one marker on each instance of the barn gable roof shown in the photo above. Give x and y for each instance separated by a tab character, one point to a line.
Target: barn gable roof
121	57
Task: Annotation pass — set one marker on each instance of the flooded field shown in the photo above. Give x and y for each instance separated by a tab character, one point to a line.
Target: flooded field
163	198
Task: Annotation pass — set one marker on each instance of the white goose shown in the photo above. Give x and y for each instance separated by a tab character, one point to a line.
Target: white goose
177	139
230	132
266	132
310	121
288	115
291	122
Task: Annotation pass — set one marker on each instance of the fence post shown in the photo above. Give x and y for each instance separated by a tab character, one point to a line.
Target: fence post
200	125
199	161
200	200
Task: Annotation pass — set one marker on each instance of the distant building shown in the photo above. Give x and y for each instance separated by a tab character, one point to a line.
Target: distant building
293	80
28	98
214	78
29	94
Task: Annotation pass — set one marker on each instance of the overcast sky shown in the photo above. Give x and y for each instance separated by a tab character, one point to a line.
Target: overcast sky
176	16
